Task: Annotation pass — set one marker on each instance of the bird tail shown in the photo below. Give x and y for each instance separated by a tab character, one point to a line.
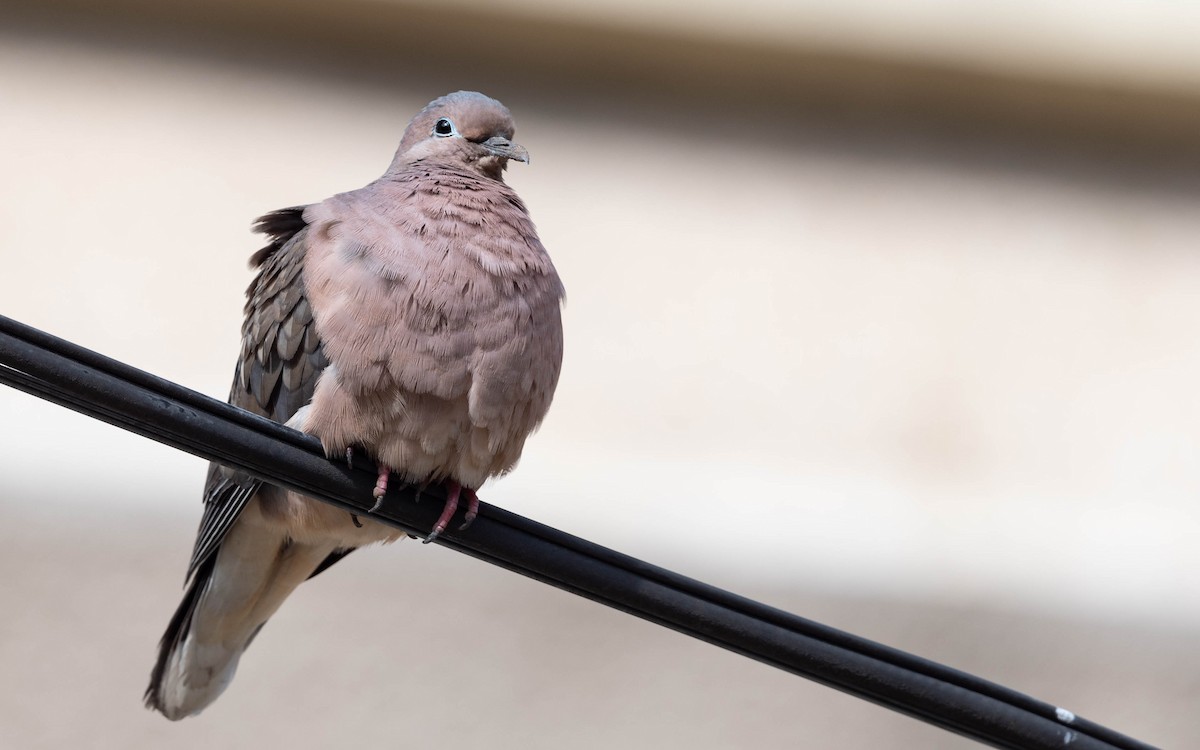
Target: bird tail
230	597
172	640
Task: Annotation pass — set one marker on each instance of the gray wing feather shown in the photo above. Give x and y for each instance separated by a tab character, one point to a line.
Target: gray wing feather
277	371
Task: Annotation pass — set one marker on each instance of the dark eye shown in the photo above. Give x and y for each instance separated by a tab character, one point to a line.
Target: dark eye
443	127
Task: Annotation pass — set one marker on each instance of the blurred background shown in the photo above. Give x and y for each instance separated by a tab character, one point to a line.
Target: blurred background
884	313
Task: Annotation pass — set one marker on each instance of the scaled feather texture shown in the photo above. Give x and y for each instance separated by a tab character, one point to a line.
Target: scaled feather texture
417	319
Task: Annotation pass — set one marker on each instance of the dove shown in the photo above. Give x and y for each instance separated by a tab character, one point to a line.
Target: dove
417	320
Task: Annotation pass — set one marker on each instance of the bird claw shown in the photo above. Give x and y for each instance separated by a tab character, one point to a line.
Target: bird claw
454	490
381	483
472	508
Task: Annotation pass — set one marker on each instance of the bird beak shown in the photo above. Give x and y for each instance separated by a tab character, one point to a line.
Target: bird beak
506	149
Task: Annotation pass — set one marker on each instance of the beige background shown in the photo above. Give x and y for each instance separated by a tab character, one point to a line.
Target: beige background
889	323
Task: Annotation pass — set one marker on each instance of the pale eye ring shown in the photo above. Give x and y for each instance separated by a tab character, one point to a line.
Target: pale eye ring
444	128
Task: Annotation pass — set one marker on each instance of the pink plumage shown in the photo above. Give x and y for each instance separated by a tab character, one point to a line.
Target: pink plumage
416	319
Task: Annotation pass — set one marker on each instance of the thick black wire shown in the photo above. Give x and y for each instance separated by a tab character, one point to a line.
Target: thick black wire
61	372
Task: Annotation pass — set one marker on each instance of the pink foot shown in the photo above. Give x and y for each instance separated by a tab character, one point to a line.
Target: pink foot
454	490
472	507
381	484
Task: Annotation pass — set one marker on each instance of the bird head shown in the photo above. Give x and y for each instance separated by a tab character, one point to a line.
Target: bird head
463	128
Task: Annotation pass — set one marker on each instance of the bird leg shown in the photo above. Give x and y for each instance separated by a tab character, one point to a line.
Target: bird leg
419	490
472	507
381	484
454	491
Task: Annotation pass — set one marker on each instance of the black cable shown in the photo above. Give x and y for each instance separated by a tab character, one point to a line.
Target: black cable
90	383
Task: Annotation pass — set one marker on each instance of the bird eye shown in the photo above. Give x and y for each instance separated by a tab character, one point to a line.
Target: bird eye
443	127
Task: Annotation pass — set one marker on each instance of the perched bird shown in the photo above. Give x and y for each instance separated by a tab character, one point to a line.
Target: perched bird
416	319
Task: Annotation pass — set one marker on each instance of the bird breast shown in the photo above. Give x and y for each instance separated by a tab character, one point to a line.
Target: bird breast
439	310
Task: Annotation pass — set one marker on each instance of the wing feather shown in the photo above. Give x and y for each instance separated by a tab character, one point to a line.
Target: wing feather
281	359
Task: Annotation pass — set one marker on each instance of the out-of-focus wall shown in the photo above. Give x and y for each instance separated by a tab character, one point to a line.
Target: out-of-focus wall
923	328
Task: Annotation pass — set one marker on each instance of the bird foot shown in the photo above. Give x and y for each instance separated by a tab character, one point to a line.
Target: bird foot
381	484
454	491
472	508
419	490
